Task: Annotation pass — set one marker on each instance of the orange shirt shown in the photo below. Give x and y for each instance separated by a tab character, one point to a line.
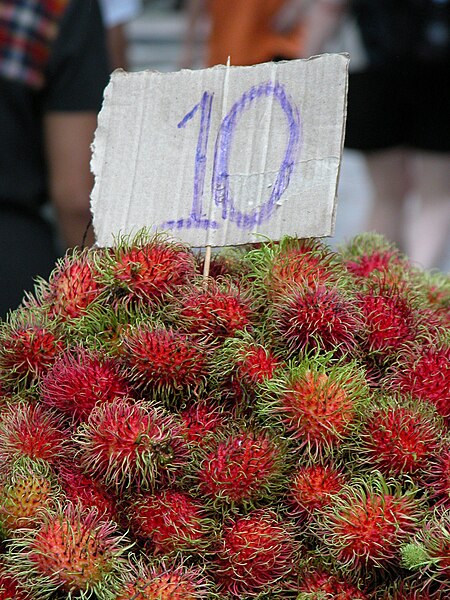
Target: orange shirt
242	30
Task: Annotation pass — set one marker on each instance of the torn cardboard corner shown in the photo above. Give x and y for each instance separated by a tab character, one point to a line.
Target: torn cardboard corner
221	156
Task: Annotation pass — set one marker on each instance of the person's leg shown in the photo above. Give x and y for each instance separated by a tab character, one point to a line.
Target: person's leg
430	229
391	183
27	250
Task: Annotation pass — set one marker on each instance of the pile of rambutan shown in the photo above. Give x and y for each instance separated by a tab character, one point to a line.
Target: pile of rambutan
276	430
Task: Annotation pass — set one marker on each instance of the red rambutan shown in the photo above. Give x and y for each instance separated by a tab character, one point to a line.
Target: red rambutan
73	285
79	379
423	371
32	431
131	444
28	347
145	270
163	582
320	584
215	308
170	519
201	421
73	551
312	487
316	318
164	360
367	523
10	588
241	468
400	437
439	480
256	553
318	403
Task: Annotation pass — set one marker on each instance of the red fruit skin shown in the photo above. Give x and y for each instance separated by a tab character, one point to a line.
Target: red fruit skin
149	272
26	353
165	359
317	318
439	480
217	312
34	431
200	422
170	519
255	365
330	586
313	487
72	287
9	587
80	379
255	553
128	445
423	372
240	468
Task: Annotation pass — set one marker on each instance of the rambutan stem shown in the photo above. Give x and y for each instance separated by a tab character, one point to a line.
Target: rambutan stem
206	265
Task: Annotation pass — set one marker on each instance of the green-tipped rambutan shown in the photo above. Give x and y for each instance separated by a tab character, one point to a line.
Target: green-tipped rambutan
439	479
428	555
10	589
28	347
73	285
313	486
276	266
319	403
33	431
80	379
213	308
145	269
241	468
423	371
29	487
365	526
400	436
225	262
201	422
131	444
369	255
171	520
164	360
434	291
256	553
74	551
316	317
321	584
161	581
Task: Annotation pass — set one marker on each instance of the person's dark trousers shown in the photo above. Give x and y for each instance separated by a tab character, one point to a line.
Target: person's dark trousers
27	249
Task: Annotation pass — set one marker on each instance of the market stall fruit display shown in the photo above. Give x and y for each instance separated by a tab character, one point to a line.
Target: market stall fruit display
278	429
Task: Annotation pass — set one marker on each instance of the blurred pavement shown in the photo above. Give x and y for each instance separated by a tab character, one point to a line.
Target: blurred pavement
155	42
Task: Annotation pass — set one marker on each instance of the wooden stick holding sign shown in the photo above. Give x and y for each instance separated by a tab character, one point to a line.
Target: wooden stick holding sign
221	156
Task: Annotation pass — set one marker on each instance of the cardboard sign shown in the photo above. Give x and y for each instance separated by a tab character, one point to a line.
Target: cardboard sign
221	156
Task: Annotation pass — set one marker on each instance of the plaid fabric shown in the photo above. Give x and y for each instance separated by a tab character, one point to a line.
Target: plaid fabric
27	31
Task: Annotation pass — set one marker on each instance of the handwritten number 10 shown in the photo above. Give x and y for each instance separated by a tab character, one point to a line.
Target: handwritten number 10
221	190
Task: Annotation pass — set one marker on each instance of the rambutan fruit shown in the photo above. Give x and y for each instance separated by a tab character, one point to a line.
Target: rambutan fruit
319	402
428	554
439	479
276	266
256	553
370	254
28	347
33	431
226	262
322	584
433	288
171	520
79	379
365	526
73	285
390	320
404	590
400	436
81	489
213	308
29	487
201	421
423	371
161	581
131	444
241	468
145	269
10	588
316	317
74	551
164	360
313	486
